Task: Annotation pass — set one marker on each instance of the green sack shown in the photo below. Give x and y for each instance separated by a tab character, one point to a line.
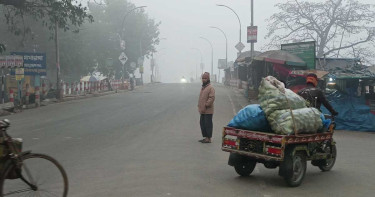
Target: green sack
274	96
303	121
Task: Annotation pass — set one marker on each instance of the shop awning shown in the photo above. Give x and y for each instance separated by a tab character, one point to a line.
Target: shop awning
280	57
88	78
319	73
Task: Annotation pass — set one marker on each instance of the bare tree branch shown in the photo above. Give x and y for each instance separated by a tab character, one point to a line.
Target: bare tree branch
351	45
334	21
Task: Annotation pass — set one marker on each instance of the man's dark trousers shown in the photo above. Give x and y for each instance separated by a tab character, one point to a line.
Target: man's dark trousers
206	125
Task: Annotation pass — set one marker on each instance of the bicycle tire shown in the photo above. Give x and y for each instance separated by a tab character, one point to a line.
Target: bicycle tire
12	187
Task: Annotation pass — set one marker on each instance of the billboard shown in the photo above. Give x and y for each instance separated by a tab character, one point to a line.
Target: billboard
304	50
11	61
33	63
222	64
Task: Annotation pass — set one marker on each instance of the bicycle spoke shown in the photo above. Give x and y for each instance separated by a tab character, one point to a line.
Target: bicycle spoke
31	180
52	193
16	192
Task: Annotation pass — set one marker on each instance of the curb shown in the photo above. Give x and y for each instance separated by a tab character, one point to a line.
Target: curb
67	99
95	94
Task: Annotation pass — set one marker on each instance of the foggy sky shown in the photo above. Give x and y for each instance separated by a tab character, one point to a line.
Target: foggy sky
184	21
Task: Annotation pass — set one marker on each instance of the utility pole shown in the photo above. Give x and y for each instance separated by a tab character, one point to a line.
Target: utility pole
58	88
123	58
251	46
212	54
252	24
226	48
200	64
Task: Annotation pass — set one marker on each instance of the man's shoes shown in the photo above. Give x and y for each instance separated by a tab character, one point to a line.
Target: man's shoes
206	141
202	140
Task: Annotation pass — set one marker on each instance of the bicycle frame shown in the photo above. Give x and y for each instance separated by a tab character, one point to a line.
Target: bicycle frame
13	157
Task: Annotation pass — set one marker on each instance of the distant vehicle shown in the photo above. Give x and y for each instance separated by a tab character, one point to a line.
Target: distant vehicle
183	80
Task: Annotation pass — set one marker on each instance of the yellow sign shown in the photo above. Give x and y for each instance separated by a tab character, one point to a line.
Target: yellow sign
141	69
19	77
19	74
20	71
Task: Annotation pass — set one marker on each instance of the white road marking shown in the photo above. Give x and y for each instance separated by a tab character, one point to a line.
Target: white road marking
231	102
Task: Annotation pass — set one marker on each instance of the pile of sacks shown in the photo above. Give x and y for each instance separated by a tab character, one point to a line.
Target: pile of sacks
281	111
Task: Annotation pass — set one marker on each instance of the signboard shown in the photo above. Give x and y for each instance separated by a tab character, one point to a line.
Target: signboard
222	64
140	61
123	58
252	32
231	65
11	61
109	62
239	46
33	63
133	65
19	74
122	44
141	69
202	66
304	50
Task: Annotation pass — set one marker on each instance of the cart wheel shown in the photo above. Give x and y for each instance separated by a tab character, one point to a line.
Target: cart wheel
245	168
327	164
293	168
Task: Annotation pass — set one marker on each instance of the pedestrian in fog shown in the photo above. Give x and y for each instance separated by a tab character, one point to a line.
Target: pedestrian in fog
206	108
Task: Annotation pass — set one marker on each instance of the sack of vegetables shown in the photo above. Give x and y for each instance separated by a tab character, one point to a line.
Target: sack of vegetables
274	96
300	121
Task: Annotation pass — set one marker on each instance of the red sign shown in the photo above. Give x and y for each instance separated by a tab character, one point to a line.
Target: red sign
252	32
11	61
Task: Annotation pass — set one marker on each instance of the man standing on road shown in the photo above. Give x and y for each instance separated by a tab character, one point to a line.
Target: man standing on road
206	108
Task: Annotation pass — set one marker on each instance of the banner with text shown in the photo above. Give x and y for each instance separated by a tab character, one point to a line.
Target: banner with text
33	63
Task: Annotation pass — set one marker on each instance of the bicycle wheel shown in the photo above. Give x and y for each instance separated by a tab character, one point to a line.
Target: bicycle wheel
41	175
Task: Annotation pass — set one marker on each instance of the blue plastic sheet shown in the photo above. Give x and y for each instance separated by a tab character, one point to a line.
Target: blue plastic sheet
252	118
354	114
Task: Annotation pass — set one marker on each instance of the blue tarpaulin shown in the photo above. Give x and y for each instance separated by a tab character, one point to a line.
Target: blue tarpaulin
252	118
354	114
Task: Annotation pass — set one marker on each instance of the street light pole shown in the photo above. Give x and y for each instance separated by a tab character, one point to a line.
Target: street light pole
239	21
212	54
226	47
196	67
123	20
122	34
152	62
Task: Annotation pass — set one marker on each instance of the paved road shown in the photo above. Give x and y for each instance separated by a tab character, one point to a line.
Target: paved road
145	143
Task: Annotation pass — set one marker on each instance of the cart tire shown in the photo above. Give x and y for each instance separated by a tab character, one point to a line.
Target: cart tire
327	164
245	168
293	168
